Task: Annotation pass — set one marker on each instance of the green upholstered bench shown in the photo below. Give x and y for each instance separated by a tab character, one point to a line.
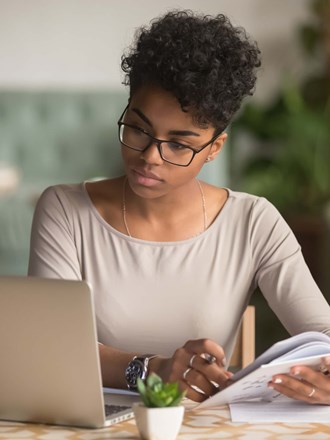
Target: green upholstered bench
51	137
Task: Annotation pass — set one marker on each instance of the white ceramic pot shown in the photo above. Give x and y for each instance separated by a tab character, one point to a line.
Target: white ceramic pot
158	423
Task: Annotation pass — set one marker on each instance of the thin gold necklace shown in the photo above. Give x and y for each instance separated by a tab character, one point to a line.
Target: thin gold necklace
124	210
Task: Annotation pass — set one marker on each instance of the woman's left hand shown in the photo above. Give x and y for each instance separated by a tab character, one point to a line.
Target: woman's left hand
304	383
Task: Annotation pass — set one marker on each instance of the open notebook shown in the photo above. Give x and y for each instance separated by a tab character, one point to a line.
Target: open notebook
49	369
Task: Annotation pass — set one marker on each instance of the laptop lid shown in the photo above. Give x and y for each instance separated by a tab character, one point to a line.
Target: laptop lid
49	369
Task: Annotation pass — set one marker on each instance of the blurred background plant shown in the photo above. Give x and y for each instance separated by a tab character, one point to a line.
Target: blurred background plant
289	163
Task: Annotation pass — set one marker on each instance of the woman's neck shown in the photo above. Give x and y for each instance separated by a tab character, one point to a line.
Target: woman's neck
179	215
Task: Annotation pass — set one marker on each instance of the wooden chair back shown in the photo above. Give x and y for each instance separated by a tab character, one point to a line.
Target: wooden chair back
244	351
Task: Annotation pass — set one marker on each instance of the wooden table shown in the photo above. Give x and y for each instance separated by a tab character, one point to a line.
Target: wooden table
198	425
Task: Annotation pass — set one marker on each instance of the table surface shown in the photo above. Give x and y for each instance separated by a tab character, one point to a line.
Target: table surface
198	425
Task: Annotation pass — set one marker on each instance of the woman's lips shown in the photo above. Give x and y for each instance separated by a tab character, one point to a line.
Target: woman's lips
145	178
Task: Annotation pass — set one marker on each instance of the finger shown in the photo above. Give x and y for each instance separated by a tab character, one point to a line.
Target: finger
213	372
299	389
207	348
197	380
295	389
315	378
325	365
206	373
191	393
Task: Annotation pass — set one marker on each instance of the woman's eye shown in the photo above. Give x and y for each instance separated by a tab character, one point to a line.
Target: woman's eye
175	146
136	126
140	131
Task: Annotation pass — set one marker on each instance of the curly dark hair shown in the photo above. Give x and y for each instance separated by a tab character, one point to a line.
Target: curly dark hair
207	63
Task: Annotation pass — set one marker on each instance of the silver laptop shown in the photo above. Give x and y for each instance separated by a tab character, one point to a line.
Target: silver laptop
49	366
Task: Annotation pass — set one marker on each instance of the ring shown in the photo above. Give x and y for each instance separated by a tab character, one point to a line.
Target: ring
209	358
192	360
311	393
185	373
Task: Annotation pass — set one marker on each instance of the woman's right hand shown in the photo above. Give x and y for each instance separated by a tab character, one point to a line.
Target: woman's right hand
198	367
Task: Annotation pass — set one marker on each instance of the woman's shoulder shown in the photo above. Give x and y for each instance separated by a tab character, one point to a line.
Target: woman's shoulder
60	193
90	189
249	201
244	196
260	213
224	197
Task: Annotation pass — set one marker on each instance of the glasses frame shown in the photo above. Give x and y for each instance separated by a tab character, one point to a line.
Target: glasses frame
159	142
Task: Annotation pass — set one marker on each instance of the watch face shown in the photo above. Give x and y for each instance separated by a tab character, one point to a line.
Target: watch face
135	370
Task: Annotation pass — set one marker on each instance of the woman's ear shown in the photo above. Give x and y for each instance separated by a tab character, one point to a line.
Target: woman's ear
216	147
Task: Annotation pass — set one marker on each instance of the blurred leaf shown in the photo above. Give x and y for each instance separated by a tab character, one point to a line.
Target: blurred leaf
156	394
310	38
291	164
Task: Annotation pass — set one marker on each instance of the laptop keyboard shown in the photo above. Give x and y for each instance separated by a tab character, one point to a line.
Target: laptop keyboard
114	409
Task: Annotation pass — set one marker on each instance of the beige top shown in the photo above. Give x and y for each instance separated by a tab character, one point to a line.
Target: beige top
152	297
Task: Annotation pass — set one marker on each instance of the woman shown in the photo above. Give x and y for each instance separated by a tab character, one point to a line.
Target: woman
173	261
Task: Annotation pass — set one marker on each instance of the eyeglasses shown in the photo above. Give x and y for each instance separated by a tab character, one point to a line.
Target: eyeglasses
171	152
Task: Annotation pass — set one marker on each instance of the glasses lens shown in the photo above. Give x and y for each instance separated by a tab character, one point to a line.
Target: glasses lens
176	153
133	138
171	152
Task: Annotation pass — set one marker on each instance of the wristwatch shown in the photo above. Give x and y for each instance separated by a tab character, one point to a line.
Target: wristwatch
137	368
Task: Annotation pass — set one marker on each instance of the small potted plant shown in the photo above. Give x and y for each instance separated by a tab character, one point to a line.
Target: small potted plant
159	416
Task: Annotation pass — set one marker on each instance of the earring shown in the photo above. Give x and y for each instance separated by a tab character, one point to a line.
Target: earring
208	159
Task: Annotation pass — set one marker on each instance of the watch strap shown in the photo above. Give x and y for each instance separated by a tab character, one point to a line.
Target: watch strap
146	358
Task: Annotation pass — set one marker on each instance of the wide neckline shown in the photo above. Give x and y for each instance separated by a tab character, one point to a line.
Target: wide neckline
108	226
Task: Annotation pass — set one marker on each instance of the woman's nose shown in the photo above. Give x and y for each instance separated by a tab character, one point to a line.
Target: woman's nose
152	154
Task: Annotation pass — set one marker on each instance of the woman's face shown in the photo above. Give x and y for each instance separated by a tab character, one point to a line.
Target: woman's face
158	113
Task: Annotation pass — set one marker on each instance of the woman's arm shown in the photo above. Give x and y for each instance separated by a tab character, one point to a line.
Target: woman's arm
53	253
187	366
292	293
282	274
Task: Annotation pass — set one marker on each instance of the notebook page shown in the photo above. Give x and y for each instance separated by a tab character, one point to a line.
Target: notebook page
280	410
